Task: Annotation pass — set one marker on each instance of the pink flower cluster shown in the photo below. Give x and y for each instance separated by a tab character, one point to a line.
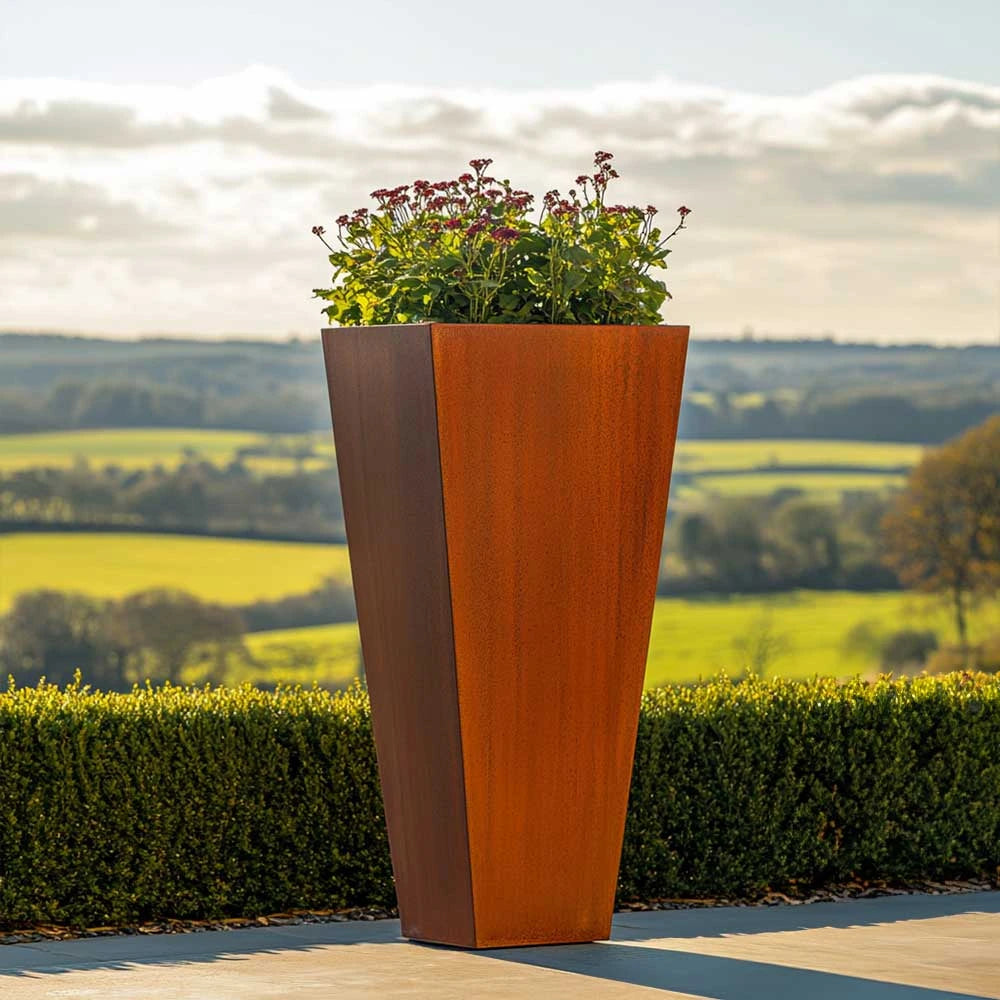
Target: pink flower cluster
476	203
466	250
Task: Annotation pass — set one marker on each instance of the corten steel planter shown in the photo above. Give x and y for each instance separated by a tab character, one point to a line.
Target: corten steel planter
504	492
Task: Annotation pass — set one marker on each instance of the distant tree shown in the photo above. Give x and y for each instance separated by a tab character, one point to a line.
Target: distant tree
943	533
909	647
63	399
808	544
767	420
20	411
332	601
178	498
699	543
759	647
742	552
52	634
162	628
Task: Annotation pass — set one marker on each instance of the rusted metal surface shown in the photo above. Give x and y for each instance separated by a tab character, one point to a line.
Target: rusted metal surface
556	449
504	493
382	400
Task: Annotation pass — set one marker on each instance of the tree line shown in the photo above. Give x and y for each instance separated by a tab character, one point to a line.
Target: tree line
856	416
85	405
782	542
940	535
750	545
861	415
197	496
156	634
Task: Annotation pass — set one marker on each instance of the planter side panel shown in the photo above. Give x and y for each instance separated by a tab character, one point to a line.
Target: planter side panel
556	449
381	384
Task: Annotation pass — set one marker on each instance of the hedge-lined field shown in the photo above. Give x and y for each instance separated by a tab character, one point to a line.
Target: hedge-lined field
324	654
224	570
131	449
807	633
764	453
726	468
183	803
145	447
819	485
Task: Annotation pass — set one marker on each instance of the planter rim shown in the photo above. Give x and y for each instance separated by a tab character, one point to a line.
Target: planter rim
659	327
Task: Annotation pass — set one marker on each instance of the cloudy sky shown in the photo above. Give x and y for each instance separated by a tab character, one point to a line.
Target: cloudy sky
160	167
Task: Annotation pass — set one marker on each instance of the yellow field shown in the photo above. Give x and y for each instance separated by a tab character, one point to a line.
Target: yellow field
327	654
805	631
759	463
819	485
229	571
147	447
695	456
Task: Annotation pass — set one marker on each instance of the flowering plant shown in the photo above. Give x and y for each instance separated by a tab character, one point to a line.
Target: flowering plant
465	251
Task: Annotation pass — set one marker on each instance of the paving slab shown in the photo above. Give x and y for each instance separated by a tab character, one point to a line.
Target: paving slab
894	948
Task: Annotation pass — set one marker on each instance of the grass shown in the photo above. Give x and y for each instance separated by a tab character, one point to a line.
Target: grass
819	485
758	463
702	456
800	635
127	448
230	571
804	632
147	447
327	654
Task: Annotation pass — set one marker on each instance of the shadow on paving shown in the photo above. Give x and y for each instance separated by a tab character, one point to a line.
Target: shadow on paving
724	978
712	976
619	960
134	951
729	921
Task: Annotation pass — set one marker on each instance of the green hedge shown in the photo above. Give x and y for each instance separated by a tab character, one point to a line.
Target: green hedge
737	788
181	803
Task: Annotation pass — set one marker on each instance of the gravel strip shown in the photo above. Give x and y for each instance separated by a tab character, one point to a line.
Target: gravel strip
828	894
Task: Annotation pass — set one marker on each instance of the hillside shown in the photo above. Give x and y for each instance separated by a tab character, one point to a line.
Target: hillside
741	389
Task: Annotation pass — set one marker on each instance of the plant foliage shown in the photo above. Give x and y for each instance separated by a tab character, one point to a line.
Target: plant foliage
465	251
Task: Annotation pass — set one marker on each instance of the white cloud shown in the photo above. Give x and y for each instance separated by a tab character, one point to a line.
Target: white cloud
870	208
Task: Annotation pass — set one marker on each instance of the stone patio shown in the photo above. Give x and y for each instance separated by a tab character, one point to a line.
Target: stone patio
894	948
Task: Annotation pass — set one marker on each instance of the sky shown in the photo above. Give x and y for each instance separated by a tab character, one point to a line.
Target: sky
161	166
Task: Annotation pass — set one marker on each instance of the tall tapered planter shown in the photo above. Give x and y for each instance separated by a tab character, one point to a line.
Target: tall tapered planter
504	492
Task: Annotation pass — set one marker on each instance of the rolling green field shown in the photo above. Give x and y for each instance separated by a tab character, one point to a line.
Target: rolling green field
755	468
139	448
326	654
698	456
132	449
758	464
229	571
805	630
819	485
127	448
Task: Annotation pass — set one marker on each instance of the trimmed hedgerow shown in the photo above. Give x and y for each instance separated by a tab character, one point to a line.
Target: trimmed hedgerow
186	803
192	803
741	787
